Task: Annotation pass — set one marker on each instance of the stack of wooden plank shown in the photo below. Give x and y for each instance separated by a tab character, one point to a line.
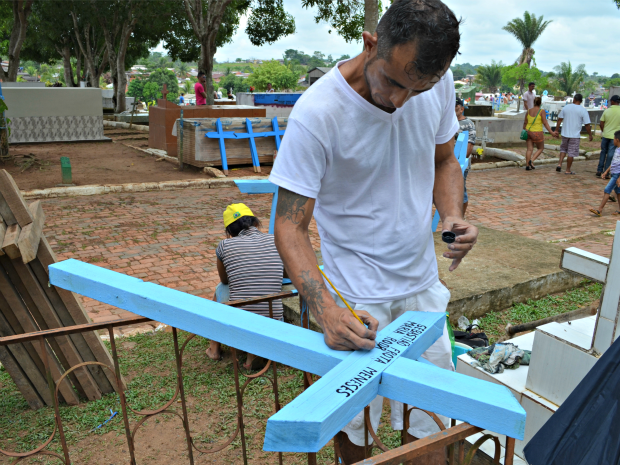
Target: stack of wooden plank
29	303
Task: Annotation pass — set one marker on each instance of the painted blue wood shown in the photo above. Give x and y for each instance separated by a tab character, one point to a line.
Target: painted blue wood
221	135
460	152
262	186
313	418
276	340
253	150
439	390
458	396
277	132
258	186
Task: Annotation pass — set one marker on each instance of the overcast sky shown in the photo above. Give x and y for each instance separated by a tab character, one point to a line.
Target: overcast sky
582	32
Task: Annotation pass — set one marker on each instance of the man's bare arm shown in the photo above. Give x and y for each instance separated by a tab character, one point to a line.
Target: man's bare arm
448	198
342	331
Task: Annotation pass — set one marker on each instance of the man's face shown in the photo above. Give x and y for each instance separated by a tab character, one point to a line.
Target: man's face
203	79
268	86
458	110
531	87
388	81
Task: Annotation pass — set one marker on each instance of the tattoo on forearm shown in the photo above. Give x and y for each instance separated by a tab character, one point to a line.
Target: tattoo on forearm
291	206
312	292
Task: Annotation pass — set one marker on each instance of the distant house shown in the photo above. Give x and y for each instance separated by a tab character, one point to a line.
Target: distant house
316	73
217	76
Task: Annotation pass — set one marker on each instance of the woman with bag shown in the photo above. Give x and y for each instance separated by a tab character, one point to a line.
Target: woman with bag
535	118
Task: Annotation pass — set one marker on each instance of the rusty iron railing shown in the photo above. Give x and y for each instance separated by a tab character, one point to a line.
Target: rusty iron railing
453	437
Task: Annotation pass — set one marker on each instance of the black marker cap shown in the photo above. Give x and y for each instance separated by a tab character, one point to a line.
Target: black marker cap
448	237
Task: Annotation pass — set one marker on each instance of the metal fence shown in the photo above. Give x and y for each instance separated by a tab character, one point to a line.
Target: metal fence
453	438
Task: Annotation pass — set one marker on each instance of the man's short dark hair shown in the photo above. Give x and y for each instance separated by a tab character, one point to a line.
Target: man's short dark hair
200	74
578	98
615	98
458	102
531	84
617	135
430	24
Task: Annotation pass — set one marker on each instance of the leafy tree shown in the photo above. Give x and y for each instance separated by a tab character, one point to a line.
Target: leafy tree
151	88
612	82
14	17
527	31
514	75
490	76
298	55
280	76
239	60
203	26
458	74
615	76
182	69
236	83
346	17
568	80
187	87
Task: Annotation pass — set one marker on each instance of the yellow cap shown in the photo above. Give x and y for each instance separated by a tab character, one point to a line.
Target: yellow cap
235	211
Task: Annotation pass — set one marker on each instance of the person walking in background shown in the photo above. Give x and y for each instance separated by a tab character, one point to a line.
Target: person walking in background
182	99
529	96
614	183
199	89
574	117
465	124
610	123
535	119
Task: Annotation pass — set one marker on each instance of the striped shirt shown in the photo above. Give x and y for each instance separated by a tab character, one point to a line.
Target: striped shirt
254	269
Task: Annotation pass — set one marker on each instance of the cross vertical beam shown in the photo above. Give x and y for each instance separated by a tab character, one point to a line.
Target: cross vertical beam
250	135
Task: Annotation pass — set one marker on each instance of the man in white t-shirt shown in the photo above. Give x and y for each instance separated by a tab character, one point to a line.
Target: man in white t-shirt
368	149
574	116
529	96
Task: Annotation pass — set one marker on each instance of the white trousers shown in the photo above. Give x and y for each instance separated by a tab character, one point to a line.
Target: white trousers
434	299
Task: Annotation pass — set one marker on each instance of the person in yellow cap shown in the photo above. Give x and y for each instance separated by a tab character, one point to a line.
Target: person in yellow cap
249	266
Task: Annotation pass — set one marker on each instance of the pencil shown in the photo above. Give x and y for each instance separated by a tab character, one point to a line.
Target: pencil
342	298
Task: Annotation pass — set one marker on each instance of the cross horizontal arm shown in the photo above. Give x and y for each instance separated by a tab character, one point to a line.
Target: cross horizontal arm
294	346
275	340
259	186
477	402
585	263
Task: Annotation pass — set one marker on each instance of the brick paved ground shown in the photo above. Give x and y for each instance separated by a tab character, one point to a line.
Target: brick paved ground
170	237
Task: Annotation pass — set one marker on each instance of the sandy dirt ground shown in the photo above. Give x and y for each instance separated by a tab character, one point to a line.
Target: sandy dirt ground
102	163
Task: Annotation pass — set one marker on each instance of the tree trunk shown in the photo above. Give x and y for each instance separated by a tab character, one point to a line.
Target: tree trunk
206	65
371	15
78	67
21	11
65	52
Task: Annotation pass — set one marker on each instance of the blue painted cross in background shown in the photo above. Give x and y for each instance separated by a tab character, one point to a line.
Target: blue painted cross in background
277	133
308	422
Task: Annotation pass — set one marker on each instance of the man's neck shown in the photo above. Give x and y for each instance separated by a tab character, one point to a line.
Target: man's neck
461	118
353	72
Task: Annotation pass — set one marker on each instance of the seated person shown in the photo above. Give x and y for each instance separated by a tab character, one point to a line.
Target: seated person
249	266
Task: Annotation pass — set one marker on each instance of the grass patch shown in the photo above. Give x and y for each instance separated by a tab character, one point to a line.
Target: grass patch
149	368
494	323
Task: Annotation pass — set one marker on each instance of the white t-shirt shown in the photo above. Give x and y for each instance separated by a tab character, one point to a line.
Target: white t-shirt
372	175
529	97
575	116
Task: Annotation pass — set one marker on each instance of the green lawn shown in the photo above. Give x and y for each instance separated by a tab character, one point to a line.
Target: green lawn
494	323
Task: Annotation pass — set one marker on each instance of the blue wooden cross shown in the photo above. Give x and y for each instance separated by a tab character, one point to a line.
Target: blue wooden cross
250	135
460	152
307	423
221	135
277	132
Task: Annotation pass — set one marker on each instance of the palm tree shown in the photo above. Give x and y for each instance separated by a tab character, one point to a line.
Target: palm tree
527	31
182	69
188	87
490	76
569	80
